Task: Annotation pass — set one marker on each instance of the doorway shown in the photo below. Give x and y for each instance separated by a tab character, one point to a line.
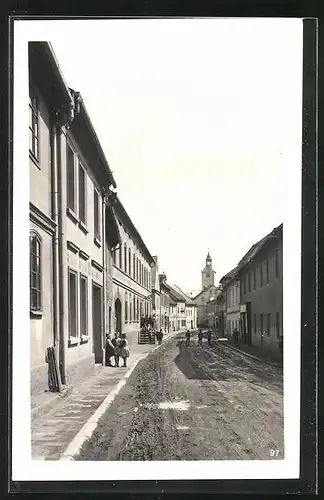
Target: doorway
97	322
109	320
118	321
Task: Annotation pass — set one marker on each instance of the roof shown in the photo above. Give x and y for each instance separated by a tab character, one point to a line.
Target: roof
46	73
83	115
188	300
257	247
251	254
202	291
121	212
175	294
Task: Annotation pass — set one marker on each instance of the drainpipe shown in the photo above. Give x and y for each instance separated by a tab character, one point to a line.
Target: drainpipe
54	210
61	241
104	265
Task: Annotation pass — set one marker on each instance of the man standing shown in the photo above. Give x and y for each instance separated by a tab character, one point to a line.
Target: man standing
200	337
187	337
209	335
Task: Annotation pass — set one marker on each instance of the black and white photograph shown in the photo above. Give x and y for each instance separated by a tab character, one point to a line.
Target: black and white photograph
157	248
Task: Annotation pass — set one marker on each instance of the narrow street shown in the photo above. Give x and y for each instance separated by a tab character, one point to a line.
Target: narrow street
194	403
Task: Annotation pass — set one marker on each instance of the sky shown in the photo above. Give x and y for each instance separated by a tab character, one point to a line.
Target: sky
200	122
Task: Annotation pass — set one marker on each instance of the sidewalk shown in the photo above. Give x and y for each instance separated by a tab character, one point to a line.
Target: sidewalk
53	429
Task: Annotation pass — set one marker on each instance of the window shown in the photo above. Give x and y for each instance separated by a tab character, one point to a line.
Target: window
82	195
261	324
83	305
278	324
120	257
130	309
254	278
277	262
261	274
73	304
70	178
137	310
268	324
134	309
33	125
134	266
96	213
129	262
183	322
249	278
35	285
255	324
125	258
126	310
267	271
207	274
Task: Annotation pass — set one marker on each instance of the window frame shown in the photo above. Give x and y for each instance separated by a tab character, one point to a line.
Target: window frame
38	308
73	272
35	114
84	307
125	258
73	192
268	324
96	230
82	169
129	262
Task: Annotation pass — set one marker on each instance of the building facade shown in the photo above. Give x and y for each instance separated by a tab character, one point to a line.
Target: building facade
48	111
232	306
262	292
132	278
70	193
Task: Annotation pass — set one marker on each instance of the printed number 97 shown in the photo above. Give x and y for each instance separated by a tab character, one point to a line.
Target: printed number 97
274	453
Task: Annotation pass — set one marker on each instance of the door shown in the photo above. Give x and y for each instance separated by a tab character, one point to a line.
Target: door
249	323
118	321
97	323
261	329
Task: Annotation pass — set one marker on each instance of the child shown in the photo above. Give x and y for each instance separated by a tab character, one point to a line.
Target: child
124	351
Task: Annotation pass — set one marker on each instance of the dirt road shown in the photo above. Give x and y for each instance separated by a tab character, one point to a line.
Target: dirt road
194	403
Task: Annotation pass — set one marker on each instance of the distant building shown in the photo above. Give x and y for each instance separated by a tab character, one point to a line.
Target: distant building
232	305
156	293
209	292
165	300
260	273
190	310
132	277
208	274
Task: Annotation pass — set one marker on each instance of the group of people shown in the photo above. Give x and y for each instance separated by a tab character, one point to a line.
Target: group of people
147	321
200	337
116	348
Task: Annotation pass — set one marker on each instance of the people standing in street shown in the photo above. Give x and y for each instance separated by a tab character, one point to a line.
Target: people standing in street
116	343
209	336
200	337
236	336
110	350
188	337
160	336
124	351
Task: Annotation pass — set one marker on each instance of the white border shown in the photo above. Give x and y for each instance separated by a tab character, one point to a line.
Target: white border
23	468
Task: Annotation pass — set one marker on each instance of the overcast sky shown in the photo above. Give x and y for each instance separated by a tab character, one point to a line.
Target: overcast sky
199	120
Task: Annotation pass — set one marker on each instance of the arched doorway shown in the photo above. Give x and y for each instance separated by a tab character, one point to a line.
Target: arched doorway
118	321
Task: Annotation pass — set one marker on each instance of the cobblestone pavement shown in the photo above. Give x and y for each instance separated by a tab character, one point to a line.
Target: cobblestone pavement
194	403
52	430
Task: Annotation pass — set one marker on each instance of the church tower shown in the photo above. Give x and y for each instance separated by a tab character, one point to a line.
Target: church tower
208	274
